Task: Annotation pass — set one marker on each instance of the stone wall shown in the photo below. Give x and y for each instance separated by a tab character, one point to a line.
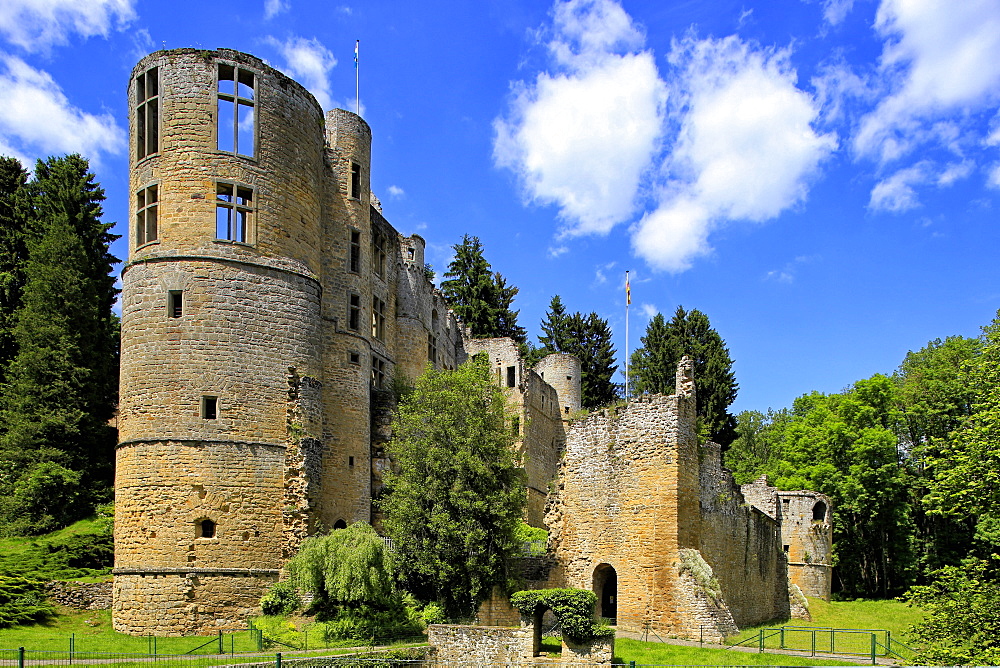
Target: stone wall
481	645
81	595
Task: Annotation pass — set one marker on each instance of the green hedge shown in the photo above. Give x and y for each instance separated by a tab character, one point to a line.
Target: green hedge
22	601
574	608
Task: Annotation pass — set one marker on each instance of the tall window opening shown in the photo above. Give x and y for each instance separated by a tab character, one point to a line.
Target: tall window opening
378	372
210	408
236	132
355	251
233	210
145	215
432	349
819	512
175	303
378	253
378	319
511	376
355	180
354	313
147	113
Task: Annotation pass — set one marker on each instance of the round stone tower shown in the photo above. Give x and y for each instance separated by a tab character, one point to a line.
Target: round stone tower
562	371
221	354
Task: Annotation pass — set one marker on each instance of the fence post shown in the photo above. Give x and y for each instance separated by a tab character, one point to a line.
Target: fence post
782	637
631	664
222	647
814	642
888	642
873	649
761	641
701	635
20	657
307	639
277	660
72	644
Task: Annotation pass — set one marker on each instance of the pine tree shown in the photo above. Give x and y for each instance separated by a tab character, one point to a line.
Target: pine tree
480	297
655	364
61	384
554	338
589	338
13	253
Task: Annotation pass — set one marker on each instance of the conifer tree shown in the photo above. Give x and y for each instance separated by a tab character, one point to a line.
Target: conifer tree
479	296
654	366
553	339
61	385
13	253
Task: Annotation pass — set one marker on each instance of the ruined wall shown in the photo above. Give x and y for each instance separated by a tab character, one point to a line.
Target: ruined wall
481	645
742	544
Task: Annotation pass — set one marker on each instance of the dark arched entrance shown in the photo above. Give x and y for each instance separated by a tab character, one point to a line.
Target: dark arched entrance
606	588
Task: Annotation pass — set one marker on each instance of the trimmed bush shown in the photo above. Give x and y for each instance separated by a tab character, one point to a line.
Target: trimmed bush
574	608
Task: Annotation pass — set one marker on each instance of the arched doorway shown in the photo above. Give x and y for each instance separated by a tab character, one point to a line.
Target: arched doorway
606	588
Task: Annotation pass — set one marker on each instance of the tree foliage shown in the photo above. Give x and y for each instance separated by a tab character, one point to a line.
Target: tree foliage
61	383
654	365
480	296
454	504
13	253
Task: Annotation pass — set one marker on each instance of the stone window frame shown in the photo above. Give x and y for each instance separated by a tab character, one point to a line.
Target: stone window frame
175	304
354	312
240	74
247	207
206	525
379	377
147	215
354	250
379	254
147	114
209	407
378	318
354	186
432	350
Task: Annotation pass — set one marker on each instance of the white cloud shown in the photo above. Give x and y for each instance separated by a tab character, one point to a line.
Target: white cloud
309	62
36	118
649	310
36	25
581	138
746	148
939	57
837	85
835	11
993	176
274	7
395	192
556	251
953	172
896	193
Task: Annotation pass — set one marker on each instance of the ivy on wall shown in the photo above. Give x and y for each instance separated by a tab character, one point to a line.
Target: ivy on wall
574	608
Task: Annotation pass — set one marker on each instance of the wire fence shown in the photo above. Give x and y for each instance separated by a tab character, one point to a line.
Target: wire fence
867	643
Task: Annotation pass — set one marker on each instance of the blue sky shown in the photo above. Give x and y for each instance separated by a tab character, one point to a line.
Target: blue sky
821	177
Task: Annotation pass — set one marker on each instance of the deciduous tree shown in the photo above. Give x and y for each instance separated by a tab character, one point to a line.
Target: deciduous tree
454	504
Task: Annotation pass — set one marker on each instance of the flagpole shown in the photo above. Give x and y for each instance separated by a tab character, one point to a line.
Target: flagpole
357	76
628	302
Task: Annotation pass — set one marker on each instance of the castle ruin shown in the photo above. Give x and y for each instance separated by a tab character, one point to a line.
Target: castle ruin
267	305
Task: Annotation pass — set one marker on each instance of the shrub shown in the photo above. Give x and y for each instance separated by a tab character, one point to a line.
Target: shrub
574	608
22	601
281	599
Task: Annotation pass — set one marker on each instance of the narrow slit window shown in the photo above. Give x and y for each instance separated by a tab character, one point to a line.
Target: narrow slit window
355	251
236	111
175	303
350	461
147	113
233	212
432	348
210	408
146	203
355	180
511	376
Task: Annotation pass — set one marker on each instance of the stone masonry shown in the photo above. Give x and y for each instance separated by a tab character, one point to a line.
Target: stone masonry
267	306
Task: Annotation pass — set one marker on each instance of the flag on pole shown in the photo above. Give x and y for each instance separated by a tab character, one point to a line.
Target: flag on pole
357	43
628	291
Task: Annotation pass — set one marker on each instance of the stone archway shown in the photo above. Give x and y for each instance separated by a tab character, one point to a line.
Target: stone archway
606	589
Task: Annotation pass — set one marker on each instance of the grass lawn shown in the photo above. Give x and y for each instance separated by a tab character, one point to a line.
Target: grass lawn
652	653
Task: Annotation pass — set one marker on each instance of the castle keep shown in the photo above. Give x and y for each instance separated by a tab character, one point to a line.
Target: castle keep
266	306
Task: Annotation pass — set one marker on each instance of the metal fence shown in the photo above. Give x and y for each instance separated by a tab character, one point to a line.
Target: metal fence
868	643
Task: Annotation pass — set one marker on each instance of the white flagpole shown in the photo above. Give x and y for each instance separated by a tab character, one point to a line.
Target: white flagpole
357	76
628	302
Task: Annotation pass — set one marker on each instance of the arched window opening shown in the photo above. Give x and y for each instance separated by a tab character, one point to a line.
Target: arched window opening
819	512
340	524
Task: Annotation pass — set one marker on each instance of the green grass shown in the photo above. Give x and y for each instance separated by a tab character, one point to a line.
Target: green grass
653	653
81	551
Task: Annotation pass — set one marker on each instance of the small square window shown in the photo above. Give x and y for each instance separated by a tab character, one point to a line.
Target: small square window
354	358
209	408
206	529
175	303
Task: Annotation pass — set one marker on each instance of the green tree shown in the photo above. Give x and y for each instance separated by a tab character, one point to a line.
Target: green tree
454	505
61	385
554	338
13	253
480	296
654	365
754	448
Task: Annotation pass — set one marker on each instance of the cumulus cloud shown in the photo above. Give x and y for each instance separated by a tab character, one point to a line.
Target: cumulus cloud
953	172
36	118
938	58
746	149
274	7
835	11
395	192
582	136
309	62
36	25
649	310
896	193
